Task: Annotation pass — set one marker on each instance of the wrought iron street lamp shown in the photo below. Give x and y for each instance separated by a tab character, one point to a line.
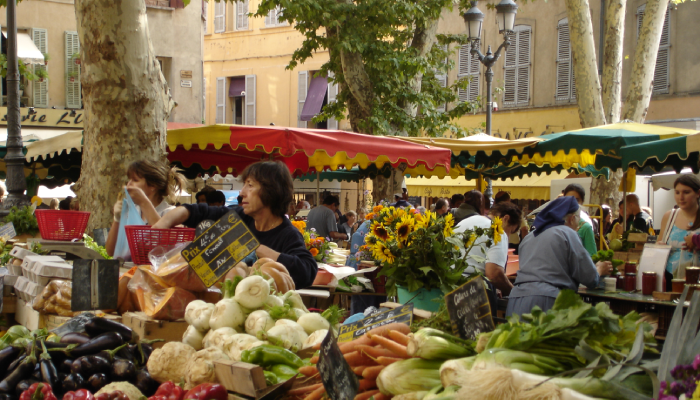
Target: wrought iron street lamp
474	18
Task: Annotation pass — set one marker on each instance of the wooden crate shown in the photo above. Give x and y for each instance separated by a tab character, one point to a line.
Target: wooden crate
243	379
9	304
149	328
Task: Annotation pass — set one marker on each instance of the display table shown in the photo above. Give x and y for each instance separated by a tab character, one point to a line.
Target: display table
621	303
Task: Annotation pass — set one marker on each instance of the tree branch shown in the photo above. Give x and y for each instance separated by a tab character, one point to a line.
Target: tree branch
612	56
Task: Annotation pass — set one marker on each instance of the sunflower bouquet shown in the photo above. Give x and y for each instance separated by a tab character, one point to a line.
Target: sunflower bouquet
318	246
421	251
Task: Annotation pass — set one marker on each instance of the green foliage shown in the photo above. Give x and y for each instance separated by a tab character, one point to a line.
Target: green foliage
607	255
381	32
23	220
24	69
91	244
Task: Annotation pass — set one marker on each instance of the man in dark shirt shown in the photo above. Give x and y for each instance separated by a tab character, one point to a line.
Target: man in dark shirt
638	219
399	201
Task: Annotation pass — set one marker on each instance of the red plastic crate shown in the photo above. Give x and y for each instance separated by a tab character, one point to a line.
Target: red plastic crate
142	239
62	224
379	282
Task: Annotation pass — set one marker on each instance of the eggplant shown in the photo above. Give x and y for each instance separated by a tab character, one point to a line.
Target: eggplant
73	382
7	396
36	374
145	349
97	382
75	338
22	371
76	366
128	352
7	356
123	370
94	365
24	385
110	355
98	325
16	363
145	383
105	341
65	365
54	345
49	374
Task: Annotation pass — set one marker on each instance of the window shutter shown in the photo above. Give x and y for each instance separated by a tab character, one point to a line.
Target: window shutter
517	68
40	93
204	100
242	15
205	14
662	80
302	91
220	100
468	68
250	99
564	65
332	96
73	89
219	16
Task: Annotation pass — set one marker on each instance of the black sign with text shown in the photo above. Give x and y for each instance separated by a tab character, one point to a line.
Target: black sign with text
338	378
469	309
403	314
219	248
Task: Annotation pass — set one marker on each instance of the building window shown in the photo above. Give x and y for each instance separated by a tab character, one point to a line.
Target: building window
40	90
73	88
662	82
468	68
314	93
272	18
242	15
566	82
220	101
219	16
517	68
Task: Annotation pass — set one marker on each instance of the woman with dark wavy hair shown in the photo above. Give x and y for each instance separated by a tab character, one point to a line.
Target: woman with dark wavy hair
266	193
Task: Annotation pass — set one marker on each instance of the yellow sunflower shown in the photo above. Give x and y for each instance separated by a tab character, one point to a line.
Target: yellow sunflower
497	226
377	209
382	253
470	241
404	228
380	231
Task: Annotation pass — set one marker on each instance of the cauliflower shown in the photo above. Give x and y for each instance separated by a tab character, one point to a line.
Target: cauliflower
200	368
169	363
131	391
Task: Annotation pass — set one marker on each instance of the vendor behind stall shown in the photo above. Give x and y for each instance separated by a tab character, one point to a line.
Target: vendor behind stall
267	192
553	258
150	184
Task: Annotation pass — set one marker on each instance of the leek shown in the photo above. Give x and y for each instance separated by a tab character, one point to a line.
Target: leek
432	344
412	375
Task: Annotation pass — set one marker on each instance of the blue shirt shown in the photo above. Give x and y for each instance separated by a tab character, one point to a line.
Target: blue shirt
358	239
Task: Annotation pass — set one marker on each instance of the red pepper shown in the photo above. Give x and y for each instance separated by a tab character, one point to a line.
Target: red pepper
80	394
115	395
168	391
38	391
207	391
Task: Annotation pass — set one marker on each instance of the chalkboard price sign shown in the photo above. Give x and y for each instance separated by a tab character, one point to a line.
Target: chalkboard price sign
469	309
352	331
219	248
338	378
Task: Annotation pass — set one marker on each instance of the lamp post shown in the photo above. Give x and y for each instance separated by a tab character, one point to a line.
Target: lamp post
474	18
14	159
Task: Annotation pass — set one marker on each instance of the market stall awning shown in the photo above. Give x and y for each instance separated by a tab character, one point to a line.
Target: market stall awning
678	153
599	146
531	188
66	142
479	150
26	49
228	149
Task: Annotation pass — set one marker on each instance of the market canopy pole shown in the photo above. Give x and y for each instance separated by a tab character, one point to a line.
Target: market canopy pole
14	159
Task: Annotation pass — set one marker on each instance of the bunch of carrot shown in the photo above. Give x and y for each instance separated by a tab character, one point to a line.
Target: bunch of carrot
367	355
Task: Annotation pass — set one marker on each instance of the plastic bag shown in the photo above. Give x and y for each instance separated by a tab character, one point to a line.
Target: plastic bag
48	293
173	269
130	216
156	298
76	324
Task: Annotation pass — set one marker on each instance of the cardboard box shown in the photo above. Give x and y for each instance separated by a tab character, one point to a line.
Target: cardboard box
149	328
247	380
28	317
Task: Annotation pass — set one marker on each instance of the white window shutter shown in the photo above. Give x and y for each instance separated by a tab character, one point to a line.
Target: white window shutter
302	91
73	89
332	96
468	68
204	100
517	68
662	80
220	100
250	97
220	16
242	15
40	90
205	14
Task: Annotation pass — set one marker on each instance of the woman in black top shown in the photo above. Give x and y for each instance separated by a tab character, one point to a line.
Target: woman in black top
266	193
